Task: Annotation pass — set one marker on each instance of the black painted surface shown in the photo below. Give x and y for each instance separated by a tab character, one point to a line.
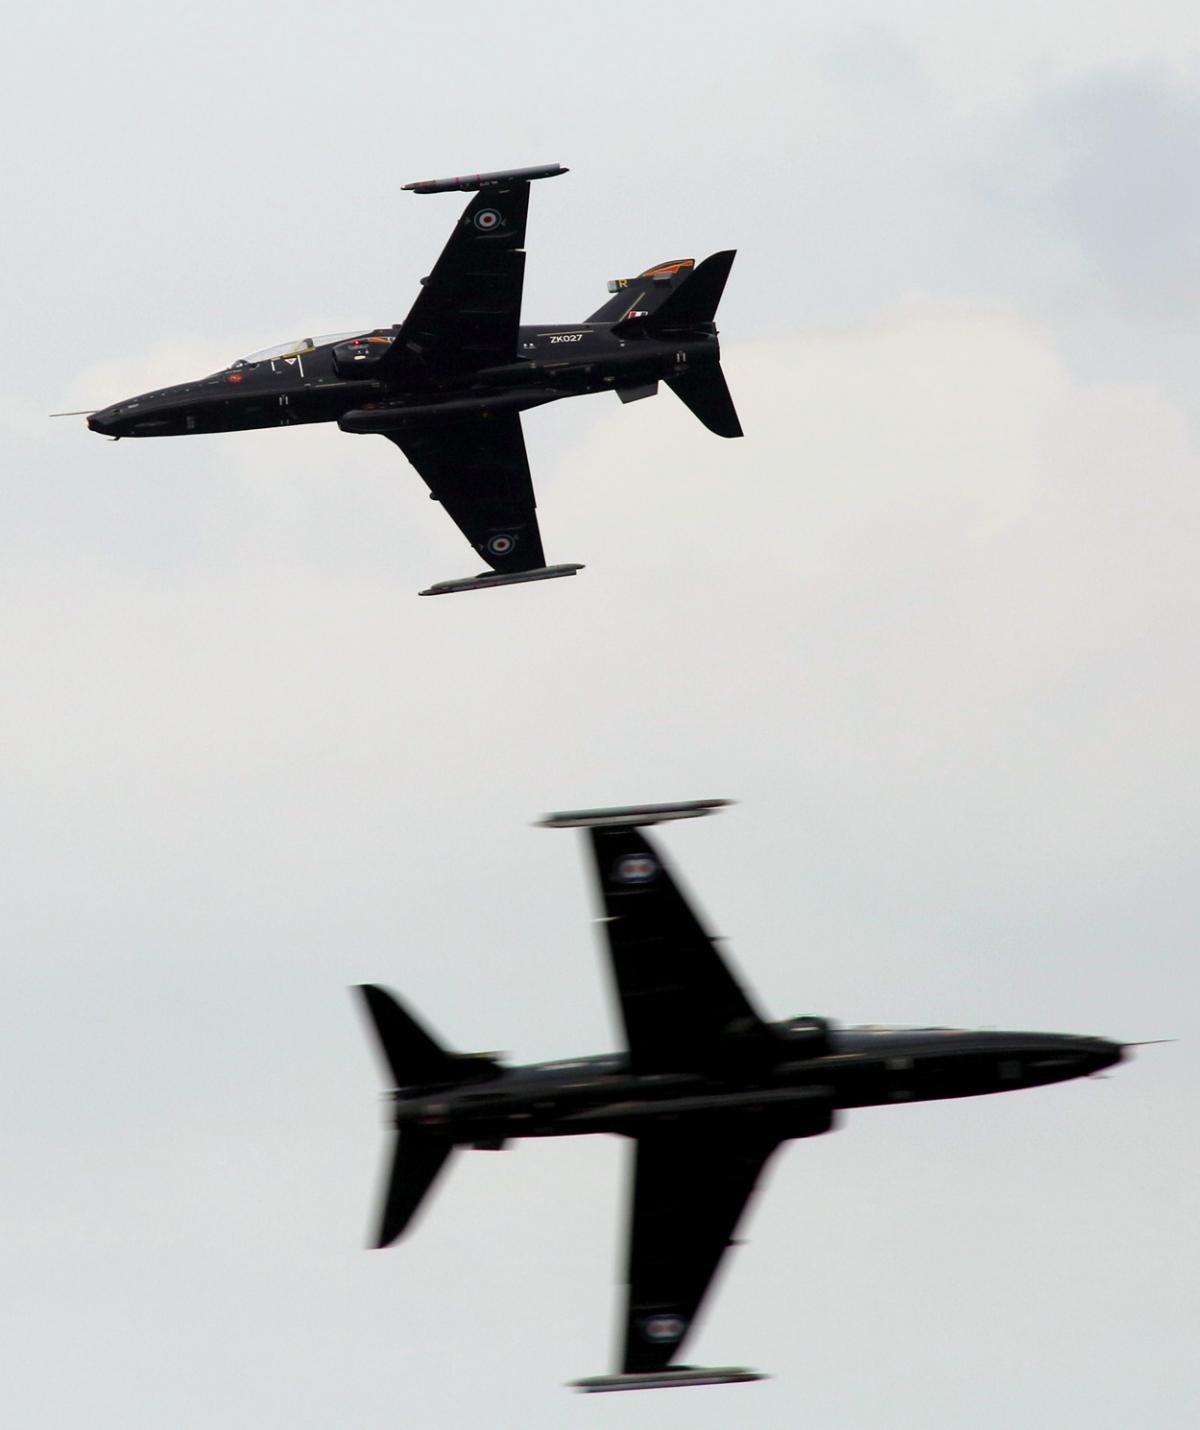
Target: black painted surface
706	1088
448	385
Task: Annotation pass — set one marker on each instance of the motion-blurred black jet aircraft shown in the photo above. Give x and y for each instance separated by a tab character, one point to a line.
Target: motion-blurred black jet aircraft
707	1090
448	384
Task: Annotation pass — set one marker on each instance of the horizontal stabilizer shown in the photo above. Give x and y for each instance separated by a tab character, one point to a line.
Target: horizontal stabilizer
469	183
631	815
668	1379
705	391
416	1159
501	578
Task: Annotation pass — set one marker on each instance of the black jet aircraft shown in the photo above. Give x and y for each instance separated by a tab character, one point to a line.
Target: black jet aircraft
707	1089
448	384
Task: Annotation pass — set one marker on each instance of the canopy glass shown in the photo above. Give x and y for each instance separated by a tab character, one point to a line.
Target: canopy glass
296	347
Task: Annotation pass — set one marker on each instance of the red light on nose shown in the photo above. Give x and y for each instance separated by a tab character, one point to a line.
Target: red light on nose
234	377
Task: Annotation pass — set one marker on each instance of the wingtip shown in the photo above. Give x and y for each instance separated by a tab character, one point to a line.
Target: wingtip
631	815
668	1378
470	183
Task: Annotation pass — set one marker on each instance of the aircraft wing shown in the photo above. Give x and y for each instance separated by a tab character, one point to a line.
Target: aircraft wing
690	1188
468	310
683	1009
478	470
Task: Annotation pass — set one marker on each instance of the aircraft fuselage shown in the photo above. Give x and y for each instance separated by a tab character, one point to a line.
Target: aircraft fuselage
338	380
798	1093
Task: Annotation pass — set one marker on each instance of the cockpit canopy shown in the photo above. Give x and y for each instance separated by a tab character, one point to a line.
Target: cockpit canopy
296	348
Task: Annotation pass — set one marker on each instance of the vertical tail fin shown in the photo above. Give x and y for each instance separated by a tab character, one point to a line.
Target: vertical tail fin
645	293
691	302
695	300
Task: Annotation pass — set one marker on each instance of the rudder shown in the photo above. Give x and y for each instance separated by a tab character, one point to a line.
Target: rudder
694	302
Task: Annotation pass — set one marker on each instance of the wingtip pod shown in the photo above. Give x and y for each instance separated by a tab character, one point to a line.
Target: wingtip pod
631	815
668	1379
488	579
469	183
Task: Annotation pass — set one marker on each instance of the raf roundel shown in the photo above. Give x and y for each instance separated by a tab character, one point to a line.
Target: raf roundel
662	1329
488	219
635	869
501	544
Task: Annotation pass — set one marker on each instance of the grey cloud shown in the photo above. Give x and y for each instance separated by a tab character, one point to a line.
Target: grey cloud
1126	149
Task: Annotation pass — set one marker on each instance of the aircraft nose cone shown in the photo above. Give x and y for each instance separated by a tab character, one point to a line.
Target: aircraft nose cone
103	422
1099	1053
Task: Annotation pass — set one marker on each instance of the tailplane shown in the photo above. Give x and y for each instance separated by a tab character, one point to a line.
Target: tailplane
411	1056
706	392
416	1157
413	1059
687	300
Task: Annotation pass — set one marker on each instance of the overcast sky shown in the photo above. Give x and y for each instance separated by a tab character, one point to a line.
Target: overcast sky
933	624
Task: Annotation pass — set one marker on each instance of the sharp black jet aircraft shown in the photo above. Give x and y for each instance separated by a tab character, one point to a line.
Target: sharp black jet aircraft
707	1089
448	384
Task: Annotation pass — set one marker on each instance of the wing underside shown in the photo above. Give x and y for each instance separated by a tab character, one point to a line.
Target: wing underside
682	1008
468	311
478	470
466	319
691	1186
